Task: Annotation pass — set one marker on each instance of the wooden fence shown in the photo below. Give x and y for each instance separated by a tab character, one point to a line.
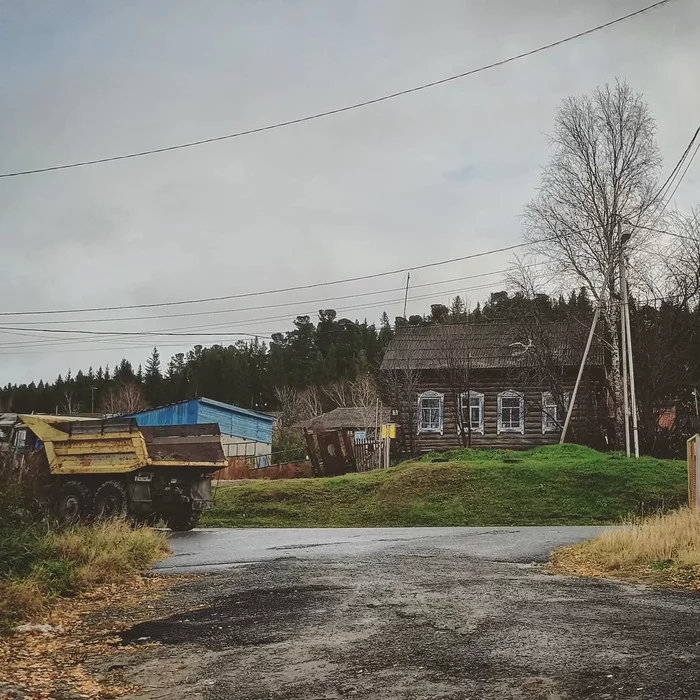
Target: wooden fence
693	468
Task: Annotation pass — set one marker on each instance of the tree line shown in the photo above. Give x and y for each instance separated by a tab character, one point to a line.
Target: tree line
315	353
321	361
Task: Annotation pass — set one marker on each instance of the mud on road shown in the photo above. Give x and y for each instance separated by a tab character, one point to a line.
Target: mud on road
422	625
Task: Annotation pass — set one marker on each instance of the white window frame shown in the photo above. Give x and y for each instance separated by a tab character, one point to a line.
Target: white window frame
431	395
462	425
510	394
549	424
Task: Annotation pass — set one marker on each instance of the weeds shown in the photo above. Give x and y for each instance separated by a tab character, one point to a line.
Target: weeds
44	562
663	548
660	540
40	561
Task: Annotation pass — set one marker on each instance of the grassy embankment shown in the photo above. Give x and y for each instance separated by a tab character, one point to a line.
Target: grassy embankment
40	562
555	485
662	549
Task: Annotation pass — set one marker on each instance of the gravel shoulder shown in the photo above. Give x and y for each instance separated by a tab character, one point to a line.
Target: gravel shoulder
412	622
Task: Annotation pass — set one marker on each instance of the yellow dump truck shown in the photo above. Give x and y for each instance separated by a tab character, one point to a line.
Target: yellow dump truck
113	468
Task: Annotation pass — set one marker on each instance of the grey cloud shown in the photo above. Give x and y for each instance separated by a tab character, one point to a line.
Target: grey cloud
383	187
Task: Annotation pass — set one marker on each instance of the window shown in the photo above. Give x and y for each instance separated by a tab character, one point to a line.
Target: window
551	420
430	412
471	403
511	412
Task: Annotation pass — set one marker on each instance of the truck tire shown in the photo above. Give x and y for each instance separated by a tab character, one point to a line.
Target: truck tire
183	521
73	503
111	500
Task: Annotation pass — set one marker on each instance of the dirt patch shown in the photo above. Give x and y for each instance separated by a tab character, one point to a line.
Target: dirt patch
252	617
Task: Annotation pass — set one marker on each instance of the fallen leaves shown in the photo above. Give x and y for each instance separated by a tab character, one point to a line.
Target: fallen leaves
578	560
82	634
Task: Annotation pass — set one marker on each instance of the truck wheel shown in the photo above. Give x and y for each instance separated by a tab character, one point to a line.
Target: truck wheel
73	503
183	522
111	500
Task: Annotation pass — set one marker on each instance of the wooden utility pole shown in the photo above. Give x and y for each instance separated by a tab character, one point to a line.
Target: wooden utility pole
591	333
623	339
630	358
405	299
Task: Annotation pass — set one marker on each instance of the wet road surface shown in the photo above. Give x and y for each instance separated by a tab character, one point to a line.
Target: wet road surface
449	614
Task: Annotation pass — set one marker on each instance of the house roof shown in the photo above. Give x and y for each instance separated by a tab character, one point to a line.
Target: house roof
211	402
346	417
8	419
489	346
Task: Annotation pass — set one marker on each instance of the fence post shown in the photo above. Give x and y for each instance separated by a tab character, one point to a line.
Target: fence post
693	468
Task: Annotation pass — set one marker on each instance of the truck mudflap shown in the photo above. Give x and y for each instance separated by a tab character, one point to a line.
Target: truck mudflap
202	497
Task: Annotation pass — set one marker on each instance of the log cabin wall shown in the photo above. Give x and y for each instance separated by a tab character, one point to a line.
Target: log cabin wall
584	426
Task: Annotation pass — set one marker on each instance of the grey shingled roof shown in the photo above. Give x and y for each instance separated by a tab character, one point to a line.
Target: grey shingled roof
345	417
491	346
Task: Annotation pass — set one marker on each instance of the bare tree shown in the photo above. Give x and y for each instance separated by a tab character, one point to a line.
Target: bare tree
338	393
682	263
289	403
69	405
126	397
364	395
455	368
311	402
600	182
400	384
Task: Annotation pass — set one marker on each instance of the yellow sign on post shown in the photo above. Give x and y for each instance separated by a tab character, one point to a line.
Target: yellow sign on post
389	431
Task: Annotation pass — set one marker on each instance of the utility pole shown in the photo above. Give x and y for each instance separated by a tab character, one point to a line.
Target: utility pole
93	389
628	337
405	299
591	333
623	338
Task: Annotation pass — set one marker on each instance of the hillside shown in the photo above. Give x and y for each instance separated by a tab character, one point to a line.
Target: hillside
555	485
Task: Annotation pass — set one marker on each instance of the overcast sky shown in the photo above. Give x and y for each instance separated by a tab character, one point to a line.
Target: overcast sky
428	176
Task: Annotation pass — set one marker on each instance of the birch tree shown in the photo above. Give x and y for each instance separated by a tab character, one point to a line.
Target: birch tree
600	182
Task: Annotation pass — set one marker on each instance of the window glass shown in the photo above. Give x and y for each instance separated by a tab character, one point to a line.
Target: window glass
430	413
511	412
472	406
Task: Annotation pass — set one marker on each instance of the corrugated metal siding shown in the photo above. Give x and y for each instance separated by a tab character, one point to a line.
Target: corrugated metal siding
240	424
233	421
176	414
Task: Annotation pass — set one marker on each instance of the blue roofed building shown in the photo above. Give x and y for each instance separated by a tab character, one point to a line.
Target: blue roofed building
244	433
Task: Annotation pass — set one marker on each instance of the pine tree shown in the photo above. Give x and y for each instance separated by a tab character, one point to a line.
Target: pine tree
153	379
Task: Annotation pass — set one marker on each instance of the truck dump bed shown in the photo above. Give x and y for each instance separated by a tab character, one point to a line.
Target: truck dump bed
118	445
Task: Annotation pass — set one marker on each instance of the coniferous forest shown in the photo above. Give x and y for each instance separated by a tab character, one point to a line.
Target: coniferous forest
326	350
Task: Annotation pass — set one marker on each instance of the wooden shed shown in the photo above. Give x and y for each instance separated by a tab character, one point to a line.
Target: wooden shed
492	385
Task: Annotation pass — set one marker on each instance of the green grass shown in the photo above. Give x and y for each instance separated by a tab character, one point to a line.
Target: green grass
40	562
556	485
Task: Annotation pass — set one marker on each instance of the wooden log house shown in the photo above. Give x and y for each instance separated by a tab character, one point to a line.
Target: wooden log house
492	385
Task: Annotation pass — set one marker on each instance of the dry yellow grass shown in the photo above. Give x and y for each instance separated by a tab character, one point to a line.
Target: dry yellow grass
662	548
66	561
109	552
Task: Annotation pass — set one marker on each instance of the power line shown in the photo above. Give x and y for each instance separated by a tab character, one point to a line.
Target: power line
106	335
274	306
280	290
668	233
690	162
674	172
126	333
339	110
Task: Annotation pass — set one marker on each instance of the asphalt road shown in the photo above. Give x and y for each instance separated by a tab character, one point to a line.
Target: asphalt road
217	549
414	614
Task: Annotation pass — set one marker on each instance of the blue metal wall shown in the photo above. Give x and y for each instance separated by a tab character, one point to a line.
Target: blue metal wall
184	413
232	420
236	421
